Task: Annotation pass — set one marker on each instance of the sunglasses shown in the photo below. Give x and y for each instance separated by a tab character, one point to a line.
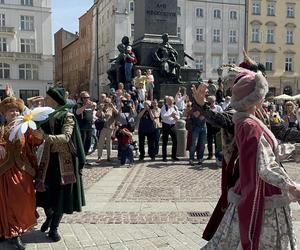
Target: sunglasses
86	97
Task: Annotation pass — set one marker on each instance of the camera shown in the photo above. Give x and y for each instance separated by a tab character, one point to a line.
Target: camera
126	106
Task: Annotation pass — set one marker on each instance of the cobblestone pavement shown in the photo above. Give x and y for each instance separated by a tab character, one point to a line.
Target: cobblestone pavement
144	207
170	182
92	175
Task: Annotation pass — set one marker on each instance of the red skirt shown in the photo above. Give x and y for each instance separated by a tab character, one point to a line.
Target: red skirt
17	203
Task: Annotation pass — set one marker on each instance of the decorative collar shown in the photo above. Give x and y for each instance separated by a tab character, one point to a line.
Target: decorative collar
240	116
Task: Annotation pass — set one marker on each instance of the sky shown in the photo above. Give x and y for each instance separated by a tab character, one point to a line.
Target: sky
65	13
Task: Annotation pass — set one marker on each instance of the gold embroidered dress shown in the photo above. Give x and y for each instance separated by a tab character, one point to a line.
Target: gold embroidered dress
17	195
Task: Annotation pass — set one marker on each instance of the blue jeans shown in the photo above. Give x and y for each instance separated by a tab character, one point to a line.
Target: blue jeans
126	152
128	71
156	140
198	137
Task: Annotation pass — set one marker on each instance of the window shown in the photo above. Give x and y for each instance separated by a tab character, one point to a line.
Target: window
199	35
27	93
255	34
28	72
290	11
3	44
178	11
270	36
216	62
289	37
217	14
271	10
288	64
256	8
27	23
178	32
255	58
4	71
216	36
2	20
199	12
231	60
27	2
232	36
131	6
1	1
269	63
233	15
199	64
132	30
27	45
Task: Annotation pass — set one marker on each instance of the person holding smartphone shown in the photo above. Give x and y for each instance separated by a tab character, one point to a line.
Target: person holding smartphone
84	114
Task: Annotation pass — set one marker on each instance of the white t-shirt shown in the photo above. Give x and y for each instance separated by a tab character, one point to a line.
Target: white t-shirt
180	102
217	109
141	94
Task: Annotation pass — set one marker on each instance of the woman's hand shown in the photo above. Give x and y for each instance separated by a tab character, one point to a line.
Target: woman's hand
295	191
39	134
199	93
2	152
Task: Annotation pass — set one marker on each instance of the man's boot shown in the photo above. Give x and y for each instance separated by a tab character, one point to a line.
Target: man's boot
17	242
53	233
49	214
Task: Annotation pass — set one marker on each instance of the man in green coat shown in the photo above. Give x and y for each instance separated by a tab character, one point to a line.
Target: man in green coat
59	181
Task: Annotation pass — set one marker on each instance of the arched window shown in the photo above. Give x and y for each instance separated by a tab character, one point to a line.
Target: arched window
28	72
4	71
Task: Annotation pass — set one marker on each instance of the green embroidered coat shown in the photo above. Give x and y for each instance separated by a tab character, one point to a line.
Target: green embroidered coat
63	135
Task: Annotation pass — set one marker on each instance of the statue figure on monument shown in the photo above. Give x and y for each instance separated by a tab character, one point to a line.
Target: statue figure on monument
116	73
166	55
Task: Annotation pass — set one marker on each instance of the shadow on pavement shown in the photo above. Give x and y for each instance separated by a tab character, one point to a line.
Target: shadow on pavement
34	236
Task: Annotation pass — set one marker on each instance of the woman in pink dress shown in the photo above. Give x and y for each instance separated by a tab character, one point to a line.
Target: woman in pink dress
259	214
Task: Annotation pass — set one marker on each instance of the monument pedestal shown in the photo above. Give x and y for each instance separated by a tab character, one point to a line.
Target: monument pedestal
145	48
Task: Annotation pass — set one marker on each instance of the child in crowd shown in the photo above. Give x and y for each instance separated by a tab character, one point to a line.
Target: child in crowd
124	137
149	84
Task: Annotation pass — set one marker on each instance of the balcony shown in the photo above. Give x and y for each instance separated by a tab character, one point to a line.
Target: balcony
20	56
7	31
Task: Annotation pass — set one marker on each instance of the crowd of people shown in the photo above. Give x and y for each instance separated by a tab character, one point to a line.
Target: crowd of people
134	109
243	132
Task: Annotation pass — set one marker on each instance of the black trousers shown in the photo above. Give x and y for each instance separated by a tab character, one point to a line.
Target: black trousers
211	138
53	217
166	131
86	139
151	145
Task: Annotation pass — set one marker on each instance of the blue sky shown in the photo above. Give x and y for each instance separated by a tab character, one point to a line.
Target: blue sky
65	13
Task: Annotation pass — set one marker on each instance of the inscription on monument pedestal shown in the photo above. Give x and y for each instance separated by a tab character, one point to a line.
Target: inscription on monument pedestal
156	17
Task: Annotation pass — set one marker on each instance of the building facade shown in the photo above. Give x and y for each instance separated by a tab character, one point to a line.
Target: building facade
112	19
273	40
26	47
73	55
212	33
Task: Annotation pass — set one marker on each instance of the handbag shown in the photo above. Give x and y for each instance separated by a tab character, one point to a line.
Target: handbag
99	123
